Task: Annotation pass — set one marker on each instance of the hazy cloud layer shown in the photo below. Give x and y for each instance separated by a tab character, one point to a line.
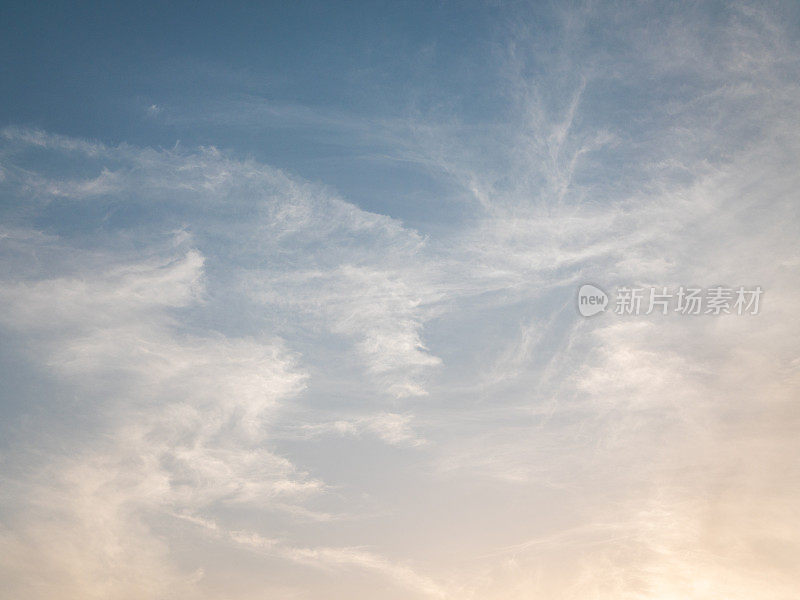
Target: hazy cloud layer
224	380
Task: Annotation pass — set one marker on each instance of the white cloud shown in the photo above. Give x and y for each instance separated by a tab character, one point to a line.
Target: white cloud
533	453
392	428
182	413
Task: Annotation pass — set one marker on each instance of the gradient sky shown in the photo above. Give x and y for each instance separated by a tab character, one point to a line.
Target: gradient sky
288	301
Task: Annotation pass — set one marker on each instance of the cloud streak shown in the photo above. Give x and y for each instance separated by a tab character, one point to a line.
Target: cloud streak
225	378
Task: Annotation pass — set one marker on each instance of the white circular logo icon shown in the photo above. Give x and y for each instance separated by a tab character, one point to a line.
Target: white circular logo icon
591	300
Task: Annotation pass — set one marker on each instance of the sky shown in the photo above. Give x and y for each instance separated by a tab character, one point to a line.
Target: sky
289	301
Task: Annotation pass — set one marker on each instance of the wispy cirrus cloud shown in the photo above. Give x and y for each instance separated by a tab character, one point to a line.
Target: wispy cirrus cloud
283	377
180	413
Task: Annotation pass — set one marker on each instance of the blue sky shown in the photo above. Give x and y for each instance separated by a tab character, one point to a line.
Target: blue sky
298	86
289	301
